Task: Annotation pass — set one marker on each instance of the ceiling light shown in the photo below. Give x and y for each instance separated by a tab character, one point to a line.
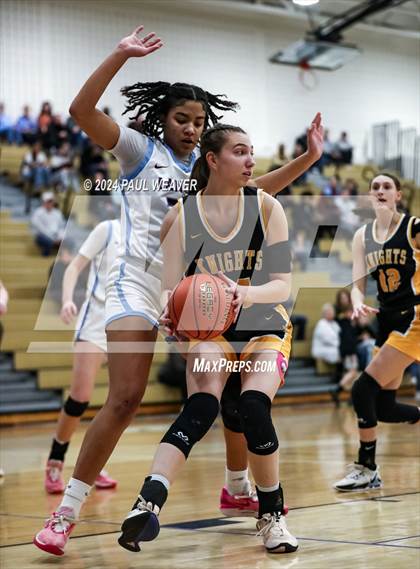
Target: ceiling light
305	2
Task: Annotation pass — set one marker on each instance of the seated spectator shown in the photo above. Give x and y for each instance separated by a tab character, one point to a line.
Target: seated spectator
48	224
280	160
93	160
345	149
298	150
328	154
366	340
75	134
63	173
300	250
326	337
24	131
351	187
333	187
6	130
34	168
348	339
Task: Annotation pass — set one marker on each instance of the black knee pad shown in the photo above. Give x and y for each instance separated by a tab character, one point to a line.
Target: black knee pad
364	393
255	411
229	404
390	411
75	408
196	418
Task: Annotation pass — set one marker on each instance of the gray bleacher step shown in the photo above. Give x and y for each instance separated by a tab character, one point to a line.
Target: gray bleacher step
28	384
11	376
30	407
305	389
29	395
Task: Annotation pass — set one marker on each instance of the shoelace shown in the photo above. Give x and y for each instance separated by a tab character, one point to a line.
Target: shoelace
273	524
54	473
250	495
143	505
61	521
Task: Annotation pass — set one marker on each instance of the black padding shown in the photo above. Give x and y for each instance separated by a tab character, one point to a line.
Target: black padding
195	419
364	393
75	408
255	411
390	411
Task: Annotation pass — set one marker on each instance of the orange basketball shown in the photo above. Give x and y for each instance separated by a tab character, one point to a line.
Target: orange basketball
200	307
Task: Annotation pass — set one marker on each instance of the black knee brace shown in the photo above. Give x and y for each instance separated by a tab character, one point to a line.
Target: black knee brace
255	408
196	418
229	404
75	408
364	393
390	411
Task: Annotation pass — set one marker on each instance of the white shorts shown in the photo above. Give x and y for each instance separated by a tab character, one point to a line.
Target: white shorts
91	323
131	291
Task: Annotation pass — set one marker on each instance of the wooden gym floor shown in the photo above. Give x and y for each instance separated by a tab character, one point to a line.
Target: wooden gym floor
375	530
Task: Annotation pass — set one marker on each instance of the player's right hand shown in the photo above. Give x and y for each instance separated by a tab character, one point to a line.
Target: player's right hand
134	46
363	310
68	312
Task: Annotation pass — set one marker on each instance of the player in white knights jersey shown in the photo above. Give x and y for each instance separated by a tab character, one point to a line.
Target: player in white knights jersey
174	117
100	250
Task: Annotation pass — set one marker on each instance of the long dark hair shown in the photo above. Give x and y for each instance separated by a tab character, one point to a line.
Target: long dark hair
155	100
212	140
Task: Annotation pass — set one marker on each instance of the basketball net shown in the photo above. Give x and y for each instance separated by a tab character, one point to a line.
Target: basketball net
307	76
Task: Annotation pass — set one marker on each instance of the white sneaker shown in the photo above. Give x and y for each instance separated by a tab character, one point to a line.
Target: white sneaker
359	478
276	537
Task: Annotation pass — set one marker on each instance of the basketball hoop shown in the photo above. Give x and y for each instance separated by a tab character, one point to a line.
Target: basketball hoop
307	75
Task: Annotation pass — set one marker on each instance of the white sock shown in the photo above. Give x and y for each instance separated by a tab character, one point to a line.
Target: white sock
75	494
162	479
237	481
268	488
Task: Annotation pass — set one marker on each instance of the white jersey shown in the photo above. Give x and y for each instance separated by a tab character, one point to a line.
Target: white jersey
152	180
101	248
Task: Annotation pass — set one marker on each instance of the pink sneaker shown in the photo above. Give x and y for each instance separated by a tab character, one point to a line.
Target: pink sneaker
104	481
54	483
239	504
56	532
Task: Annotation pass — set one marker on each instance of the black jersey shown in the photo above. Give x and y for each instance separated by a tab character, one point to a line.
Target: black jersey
395	265
240	255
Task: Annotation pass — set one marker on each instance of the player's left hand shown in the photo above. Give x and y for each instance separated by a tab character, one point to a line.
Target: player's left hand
238	292
315	138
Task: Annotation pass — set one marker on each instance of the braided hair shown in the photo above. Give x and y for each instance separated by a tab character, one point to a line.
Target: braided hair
155	100
212	140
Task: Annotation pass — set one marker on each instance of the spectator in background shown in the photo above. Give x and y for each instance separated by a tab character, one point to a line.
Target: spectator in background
48	224
326	337
93	160
300	250
298	150
329	150
6	131
34	168
366	340
344	149
302	141
25	128
75	134
45	116
351	186
63	173
333	187
348	339
280	160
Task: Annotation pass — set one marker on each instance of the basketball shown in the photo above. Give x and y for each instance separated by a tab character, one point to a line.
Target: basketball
201	308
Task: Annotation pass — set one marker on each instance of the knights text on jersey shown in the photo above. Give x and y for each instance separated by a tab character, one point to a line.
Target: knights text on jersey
395	265
239	255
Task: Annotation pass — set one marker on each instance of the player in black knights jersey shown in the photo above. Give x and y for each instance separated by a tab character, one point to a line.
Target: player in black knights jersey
224	230
389	250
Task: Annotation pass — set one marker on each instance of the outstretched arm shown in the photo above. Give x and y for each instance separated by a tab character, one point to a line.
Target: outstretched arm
275	181
97	125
